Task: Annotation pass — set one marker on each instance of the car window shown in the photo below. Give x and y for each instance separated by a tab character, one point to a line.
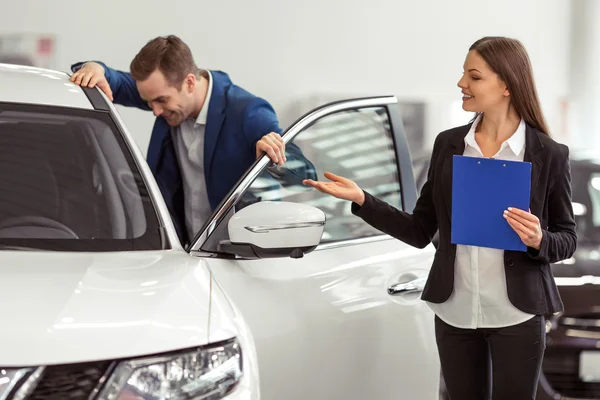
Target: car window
68	182
356	144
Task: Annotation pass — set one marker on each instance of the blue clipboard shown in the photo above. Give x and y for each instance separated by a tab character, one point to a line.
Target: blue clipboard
482	188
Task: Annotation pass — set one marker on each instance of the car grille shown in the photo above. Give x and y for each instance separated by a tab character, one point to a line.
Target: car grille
561	368
70	382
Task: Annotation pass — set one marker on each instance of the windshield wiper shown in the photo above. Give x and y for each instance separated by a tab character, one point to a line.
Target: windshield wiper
20	248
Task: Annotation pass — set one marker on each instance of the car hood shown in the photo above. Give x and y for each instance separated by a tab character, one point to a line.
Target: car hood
75	307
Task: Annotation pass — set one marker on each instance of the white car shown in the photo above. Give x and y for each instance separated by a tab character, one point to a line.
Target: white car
284	294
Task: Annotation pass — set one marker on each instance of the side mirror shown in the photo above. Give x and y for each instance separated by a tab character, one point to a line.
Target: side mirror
272	229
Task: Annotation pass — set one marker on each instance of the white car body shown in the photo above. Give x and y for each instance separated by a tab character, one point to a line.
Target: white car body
321	326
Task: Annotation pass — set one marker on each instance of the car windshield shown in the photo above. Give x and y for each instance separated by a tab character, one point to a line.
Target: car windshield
69	183
586	199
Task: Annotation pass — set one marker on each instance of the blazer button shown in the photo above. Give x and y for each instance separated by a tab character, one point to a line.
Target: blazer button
510	262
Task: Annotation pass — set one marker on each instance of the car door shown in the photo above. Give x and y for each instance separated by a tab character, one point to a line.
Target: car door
326	325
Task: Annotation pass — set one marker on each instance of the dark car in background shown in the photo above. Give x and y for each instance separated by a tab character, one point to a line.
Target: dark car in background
571	367
572	361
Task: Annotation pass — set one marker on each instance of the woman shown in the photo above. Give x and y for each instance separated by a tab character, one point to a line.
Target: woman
489	303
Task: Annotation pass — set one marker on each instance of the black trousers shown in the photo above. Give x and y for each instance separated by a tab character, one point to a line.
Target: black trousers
497	363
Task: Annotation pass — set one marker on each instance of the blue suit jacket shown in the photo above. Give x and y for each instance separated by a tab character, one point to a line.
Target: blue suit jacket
236	120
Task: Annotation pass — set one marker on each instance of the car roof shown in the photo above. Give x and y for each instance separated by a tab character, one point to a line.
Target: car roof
31	85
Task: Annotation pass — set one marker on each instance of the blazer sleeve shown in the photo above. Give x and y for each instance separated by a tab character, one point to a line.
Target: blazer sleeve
123	86
259	120
559	240
416	229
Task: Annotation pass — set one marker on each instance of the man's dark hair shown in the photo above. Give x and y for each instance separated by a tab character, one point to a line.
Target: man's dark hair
170	55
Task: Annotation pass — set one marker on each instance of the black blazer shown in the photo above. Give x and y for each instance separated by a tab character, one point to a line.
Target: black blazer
529	279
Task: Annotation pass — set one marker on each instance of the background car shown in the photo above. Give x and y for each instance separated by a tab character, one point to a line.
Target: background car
572	361
283	294
571	367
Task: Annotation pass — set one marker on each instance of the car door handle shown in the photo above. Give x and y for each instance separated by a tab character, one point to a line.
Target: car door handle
414	286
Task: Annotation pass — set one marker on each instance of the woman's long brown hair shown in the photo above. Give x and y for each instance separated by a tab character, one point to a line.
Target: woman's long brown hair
508	58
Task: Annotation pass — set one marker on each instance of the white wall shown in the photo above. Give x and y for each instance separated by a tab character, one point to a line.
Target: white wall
289	51
584	83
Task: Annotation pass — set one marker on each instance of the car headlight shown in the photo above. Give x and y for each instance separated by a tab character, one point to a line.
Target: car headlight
207	373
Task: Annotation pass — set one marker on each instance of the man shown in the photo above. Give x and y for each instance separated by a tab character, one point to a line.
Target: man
207	132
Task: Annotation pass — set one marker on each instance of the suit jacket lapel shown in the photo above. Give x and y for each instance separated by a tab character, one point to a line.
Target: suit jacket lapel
457	147
533	146
161	134
215	117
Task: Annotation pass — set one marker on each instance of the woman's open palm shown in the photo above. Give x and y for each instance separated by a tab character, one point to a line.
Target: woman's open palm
340	187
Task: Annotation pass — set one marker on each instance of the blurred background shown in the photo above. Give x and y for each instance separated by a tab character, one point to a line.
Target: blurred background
301	54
